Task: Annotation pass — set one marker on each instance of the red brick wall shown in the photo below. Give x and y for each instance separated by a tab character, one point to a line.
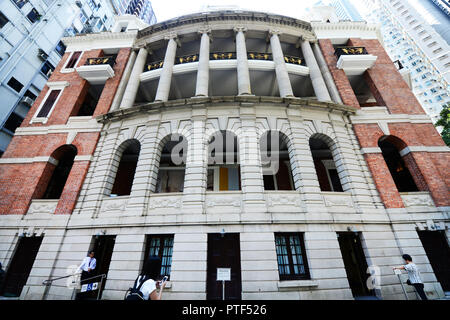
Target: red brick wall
20	183
340	78
383	180
385	81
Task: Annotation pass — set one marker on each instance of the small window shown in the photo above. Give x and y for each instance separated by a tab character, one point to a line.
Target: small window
33	15
20	3
30	94
3	20
60	48
160	246
51	99
14	121
291	256
73	60
47	69
16	85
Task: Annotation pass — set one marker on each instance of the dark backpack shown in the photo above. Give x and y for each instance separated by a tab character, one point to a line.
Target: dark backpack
135	293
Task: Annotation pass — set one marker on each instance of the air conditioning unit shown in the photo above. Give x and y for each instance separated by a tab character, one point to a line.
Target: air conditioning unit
49	73
27	100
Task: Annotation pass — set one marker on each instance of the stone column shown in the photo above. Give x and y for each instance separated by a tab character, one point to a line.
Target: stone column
123	82
133	84
252	182
162	93
203	65
242	63
284	83
196	163
326	74
314	72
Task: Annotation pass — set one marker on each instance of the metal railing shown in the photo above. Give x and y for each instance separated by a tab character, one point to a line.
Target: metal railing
224	56
49	282
339	51
111	60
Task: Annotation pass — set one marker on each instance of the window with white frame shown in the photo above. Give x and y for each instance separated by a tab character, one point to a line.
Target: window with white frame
49	102
73	60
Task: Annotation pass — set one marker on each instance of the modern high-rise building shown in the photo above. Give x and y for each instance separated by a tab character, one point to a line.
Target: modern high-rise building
293	154
139	8
30	49
415	34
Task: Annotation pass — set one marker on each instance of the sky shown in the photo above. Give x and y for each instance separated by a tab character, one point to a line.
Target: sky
167	9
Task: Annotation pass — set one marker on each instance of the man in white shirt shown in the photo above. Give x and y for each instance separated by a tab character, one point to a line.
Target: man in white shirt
88	266
413	276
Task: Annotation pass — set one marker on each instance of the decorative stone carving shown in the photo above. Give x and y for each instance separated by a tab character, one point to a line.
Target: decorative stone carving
223	201
274	200
43	207
165	202
339	200
419	199
114	205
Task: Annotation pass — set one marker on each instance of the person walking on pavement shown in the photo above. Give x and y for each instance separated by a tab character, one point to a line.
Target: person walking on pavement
413	276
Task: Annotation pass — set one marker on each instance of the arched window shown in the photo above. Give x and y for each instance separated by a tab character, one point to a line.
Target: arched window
172	165
399	171
324	163
126	168
223	162
275	160
64	156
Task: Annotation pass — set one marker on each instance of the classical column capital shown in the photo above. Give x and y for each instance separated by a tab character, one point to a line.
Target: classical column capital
203	30
171	35
240	29
274	32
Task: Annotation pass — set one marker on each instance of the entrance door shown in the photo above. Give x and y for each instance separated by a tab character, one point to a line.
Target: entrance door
223	252
438	252
20	266
103	249
355	263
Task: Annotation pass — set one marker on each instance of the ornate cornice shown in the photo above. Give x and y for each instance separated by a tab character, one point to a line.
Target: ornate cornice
213	101
234	16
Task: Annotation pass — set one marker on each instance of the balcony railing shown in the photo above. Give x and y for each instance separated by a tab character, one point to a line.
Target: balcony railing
349	51
225	56
294	60
111	60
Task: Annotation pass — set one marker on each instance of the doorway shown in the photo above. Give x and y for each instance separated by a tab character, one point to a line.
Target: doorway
436	247
20	267
355	263
223	252
103	250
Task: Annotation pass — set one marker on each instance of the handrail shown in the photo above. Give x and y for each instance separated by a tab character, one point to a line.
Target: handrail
100	275
50	281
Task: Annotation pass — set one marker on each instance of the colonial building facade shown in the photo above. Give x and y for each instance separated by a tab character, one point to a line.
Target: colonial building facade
361	177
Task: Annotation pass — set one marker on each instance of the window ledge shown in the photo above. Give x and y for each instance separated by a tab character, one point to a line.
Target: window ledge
68	70
294	285
39	120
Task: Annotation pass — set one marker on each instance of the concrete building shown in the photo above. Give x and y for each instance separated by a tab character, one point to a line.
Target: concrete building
164	142
140	8
30	48
415	33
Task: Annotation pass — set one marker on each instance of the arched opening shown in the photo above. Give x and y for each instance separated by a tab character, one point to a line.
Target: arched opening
64	156
324	164
400	173
172	165
223	162
275	161
126	169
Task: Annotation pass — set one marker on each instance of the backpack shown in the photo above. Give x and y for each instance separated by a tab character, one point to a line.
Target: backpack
135	293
